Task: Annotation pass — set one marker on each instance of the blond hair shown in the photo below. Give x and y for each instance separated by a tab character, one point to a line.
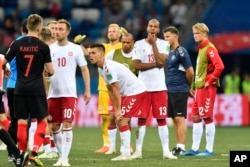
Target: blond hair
45	34
202	27
68	25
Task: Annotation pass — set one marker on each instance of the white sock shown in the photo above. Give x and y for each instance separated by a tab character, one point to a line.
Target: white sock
125	137
140	137
182	146
210	135
53	148
112	138
67	142
47	148
58	140
197	134
164	136
32	130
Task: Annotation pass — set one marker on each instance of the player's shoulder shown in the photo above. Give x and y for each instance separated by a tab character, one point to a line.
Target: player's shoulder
181	51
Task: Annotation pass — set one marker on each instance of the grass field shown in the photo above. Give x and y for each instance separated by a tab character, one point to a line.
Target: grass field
86	140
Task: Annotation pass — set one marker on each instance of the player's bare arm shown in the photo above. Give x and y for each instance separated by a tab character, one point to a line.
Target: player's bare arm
160	58
143	66
86	78
190	75
50	68
114	93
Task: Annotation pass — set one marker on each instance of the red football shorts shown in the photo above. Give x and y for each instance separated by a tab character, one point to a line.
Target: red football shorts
203	102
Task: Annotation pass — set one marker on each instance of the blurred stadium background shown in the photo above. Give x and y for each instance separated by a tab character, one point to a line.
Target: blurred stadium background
228	21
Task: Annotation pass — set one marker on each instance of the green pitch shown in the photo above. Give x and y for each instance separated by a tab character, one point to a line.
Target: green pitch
87	140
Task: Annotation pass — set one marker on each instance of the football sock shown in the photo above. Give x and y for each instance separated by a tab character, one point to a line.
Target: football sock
52	144
46	144
112	137
125	134
67	142
105	125
39	135
182	146
32	130
58	140
6	124
22	136
210	134
164	136
140	137
197	134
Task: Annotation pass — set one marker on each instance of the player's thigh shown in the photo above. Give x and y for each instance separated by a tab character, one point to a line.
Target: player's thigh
177	104
55	114
21	110
68	109
159	104
38	107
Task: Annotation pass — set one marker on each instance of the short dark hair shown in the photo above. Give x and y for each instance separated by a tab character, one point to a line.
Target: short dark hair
24	27
99	46
171	29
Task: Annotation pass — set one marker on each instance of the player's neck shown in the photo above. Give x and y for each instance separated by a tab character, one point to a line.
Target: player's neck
174	46
32	34
113	42
62	42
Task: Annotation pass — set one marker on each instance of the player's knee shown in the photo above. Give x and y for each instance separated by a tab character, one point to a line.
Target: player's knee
142	121
196	119
208	120
161	122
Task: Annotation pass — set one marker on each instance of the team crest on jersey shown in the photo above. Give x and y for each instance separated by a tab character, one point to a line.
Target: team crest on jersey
109	76
181	52
70	53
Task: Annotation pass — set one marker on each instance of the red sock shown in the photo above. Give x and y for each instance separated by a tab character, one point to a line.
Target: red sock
52	143
46	140
22	136
39	135
6	124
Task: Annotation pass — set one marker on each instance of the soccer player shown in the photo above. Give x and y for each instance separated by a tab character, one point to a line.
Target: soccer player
32	55
180	74
123	56
10	90
209	67
62	95
52	25
113	35
127	92
149	60
49	152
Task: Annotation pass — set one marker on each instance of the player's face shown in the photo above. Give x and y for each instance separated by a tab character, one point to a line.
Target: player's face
127	44
62	32
153	27
114	34
199	36
96	56
53	29
170	37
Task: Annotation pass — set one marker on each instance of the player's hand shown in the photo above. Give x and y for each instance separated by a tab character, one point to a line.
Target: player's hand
87	97
79	38
152	38
118	116
7	72
191	92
